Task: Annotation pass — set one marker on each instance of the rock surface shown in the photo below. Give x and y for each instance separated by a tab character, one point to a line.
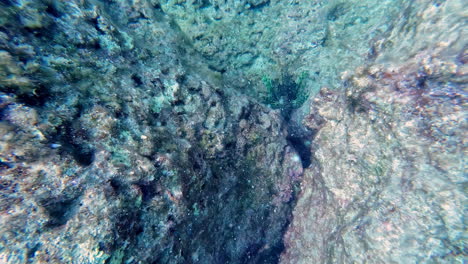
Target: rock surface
114	149
388	184
133	132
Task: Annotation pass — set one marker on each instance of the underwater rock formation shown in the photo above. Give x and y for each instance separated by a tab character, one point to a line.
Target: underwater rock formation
114	150
388	181
134	131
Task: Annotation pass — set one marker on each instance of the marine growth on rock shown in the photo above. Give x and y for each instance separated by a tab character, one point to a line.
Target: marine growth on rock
286	94
233	132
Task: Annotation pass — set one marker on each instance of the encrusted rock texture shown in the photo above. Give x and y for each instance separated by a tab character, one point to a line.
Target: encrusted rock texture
388	183
246	39
133	132
115	150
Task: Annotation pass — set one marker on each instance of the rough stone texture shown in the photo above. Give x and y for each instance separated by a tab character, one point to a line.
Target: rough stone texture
118	146
246	41
388	182
127	134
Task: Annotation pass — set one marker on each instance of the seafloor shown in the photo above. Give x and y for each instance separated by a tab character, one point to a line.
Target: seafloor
233	131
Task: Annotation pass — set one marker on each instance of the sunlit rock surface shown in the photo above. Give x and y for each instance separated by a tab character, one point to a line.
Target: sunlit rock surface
133	132
388	183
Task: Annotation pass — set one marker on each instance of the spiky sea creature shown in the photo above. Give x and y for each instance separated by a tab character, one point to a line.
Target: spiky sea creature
285	93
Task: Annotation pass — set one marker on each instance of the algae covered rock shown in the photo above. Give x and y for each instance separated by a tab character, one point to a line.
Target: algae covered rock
135	131
115	150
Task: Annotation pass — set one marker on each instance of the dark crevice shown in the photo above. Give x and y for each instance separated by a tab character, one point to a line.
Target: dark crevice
251	252
181	78
74	142
5	165
116	185
216	69
337	11
137	80
302	148
35	97
245	113
93	45
260	6
7	2
356	105
83	156
128	224
38	98
3	107
300	139
95	23
53	11
273	255
157	6
43	33
203	3
32	252
137	19
178	102
60	210
148	190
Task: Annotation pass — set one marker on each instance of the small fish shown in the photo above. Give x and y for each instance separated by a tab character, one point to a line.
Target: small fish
55	145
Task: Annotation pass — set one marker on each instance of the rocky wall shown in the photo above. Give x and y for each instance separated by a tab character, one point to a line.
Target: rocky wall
388	180
135	132
119	146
